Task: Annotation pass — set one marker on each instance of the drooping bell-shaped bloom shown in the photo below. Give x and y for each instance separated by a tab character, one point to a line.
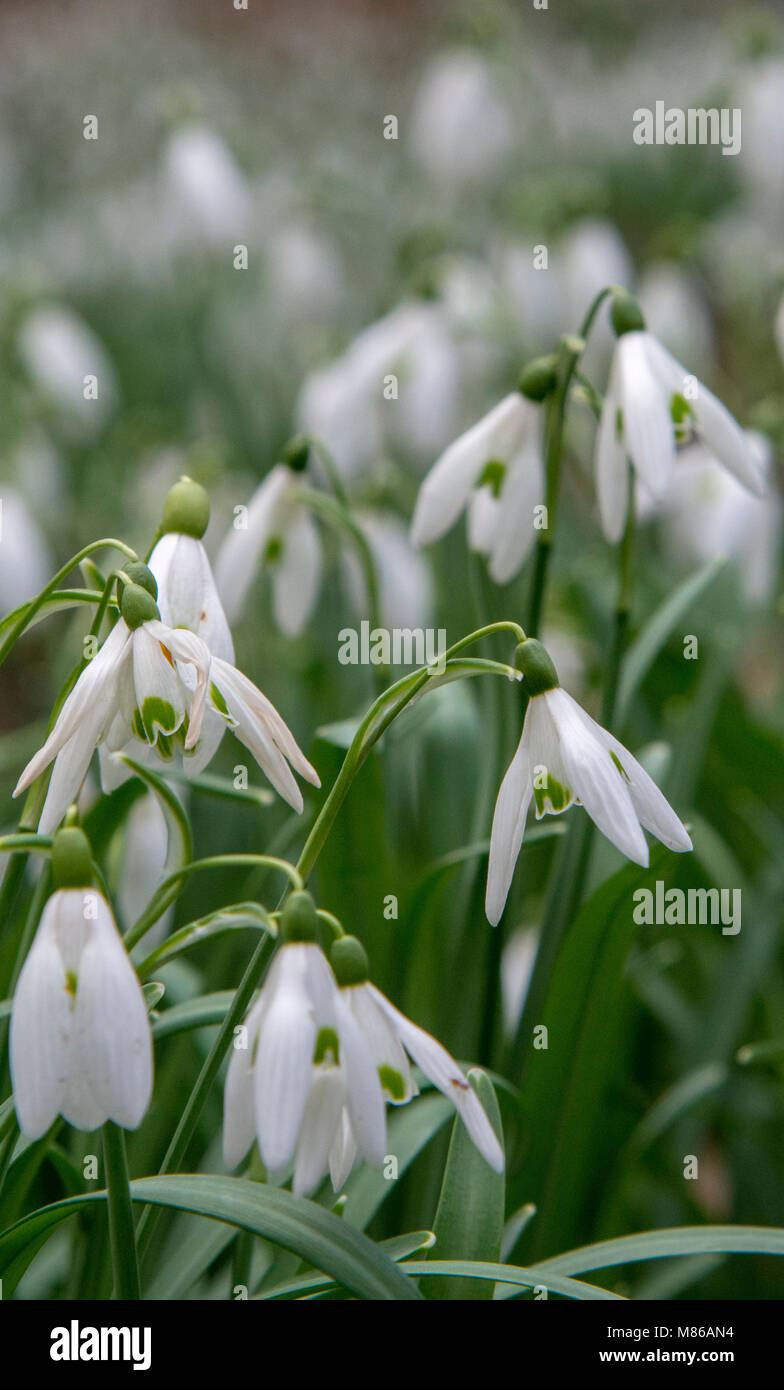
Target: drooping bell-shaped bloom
495	470
460	126
647	393
25	564
564	756
278	532
301	1061
70	366
204	188
391	1039
80	1042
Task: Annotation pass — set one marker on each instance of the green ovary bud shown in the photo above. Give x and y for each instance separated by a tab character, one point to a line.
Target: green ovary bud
186	509
139	573
71	859
626	314
349	961
299	919
137	606
295	454
539	378
533	660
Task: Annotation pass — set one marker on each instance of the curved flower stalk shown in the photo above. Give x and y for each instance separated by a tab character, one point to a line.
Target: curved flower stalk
80	1036
303	1062
564	756
496	471
391	1039
648	395
279	532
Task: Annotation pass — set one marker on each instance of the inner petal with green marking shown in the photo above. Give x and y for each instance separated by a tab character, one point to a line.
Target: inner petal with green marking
552	798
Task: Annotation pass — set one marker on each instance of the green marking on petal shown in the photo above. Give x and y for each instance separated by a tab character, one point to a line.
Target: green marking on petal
158	718
619	423
683	416
620	766
218	701
327	1047
71	982
274	550
551	799
392	1082
492	476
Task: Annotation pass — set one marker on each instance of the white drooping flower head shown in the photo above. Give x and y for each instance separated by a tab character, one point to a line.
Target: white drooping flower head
647	393
391	1039
300	1063
25	564
708	515
204	187
564	756
70	366
495	470
405	587
80	1043
278	532
460	127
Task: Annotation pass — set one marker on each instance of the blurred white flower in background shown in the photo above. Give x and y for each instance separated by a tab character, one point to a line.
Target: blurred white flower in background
25	560
591	256
517	963
460	127
709	514
204	190
59	351
778	328
761	99
278	532
676	312
145	843
306	277
404	578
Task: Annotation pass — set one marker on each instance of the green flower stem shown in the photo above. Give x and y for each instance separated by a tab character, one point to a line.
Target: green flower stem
170	889
331	469
121	1233
33	606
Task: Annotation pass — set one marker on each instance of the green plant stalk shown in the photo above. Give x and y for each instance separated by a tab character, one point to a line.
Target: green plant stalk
170	889
121	1233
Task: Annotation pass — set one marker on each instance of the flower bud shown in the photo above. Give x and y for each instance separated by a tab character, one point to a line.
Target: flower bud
299	919
626	314
137	606
71	859
295	453
349	961
539	378
533	660
186	509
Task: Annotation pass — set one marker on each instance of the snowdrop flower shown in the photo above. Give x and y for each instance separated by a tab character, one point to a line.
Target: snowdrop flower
495	470
303	1063
564	756
24	555
460	129
647	388
131	686
709	515
61	354
205	187
80	1037
391	1039
278	531
143	854
187	593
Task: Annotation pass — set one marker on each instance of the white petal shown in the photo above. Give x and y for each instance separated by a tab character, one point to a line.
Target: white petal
265	710
193	658
648	430
612	475
159	692
112	1041
506	836
343	1154
448	485
238	1108
319	1128
389	1058
593	777
364	1101
187	594
284	1062
296	577
521	491
651	806
88	703
41	1028
443	1071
